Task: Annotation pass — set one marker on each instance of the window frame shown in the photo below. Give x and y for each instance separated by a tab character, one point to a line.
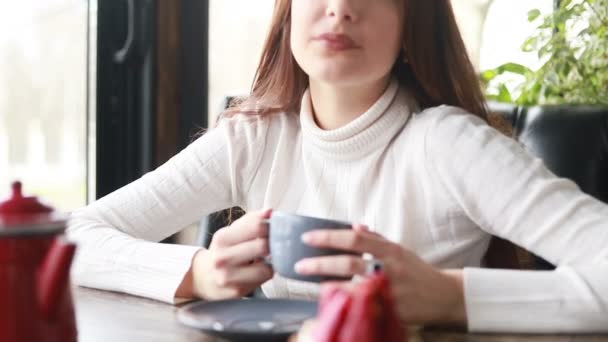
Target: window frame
150	102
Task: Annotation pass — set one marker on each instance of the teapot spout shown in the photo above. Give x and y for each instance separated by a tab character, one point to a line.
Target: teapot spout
53	275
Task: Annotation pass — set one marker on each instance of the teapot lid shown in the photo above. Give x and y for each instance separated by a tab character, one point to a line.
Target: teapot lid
26	215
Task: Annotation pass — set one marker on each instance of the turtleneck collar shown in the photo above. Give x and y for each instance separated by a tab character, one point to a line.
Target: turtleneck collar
370	130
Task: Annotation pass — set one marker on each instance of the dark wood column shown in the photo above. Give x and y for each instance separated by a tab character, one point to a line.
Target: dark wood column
167	100
182	74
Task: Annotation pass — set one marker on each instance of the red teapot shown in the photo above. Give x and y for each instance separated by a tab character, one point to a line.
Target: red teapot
35	259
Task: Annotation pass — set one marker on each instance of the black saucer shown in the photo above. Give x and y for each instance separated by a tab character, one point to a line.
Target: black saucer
248	319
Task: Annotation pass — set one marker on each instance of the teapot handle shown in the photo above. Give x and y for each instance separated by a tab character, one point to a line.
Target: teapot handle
53	275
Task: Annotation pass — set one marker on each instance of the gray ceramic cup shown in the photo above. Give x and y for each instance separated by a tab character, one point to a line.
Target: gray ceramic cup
286	246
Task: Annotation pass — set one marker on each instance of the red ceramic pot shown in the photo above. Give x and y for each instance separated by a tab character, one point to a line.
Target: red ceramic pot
35	259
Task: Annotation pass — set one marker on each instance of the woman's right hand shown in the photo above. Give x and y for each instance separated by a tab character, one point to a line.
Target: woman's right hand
233	266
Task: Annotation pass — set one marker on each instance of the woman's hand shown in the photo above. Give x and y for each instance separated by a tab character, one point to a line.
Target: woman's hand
422	294
233	265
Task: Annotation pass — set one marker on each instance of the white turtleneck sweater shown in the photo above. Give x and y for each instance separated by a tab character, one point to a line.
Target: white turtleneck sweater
439	182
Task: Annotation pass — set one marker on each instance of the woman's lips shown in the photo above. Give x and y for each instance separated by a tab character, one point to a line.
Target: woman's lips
336	41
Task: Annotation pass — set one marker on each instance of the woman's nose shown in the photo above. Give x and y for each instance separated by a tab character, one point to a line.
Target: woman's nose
341	10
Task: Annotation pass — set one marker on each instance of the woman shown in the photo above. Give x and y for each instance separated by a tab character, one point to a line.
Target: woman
367	111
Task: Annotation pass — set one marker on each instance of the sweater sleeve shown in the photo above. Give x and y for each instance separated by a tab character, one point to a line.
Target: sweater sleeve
117	236
511	194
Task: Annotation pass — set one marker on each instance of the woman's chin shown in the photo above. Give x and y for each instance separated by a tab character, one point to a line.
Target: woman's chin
338	78
343	74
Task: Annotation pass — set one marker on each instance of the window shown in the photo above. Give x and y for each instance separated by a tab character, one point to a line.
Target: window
506	28
43	99
494	30
237	30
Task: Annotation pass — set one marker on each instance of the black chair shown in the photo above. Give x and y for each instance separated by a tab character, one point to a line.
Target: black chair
214	222
571	140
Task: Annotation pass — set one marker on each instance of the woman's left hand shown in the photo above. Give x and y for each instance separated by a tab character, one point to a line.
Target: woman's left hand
422	293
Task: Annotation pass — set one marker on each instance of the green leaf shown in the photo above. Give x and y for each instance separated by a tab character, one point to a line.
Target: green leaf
572	44
530	44
533	14
504	95
489	75
514	68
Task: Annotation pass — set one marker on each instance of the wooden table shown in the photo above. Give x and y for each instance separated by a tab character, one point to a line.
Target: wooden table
111	317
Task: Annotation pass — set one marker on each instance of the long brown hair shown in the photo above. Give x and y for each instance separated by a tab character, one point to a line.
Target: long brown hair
438	68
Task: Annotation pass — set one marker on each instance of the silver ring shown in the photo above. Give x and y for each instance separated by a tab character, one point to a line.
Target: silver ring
373	266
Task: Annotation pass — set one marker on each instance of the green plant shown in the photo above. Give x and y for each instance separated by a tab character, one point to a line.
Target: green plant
572	46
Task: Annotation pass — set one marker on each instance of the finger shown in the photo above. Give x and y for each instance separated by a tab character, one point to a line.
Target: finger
363	229
349	240
242	253
254	274
250	226
360	227
340	265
